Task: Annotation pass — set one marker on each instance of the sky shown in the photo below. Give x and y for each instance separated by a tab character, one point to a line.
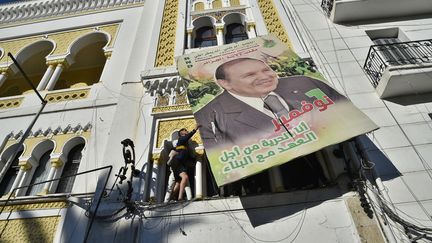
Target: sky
6	1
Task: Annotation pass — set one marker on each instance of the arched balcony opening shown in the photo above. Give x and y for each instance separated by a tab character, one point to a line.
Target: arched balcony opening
71	167
88	62
205	36
235	27
41	166
204	32
11	172
234	33
32	59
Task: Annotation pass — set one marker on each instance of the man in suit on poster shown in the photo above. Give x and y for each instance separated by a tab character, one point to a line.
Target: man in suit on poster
253	97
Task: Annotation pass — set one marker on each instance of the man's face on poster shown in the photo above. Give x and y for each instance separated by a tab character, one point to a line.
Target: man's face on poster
249	78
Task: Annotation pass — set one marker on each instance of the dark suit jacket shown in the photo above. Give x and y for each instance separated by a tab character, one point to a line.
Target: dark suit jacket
225	120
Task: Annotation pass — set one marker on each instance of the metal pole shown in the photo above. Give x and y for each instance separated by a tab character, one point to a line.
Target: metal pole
26	77
21	141
43	182
93	215
28	130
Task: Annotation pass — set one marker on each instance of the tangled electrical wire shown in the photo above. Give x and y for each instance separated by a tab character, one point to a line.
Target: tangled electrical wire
383	205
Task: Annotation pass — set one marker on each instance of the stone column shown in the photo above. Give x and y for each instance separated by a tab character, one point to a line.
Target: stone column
189	38
251	30
198	175
55	76
198	180
220	35
204	176
154	177
25	166
172	97
56	164
46	77
3	77
276	179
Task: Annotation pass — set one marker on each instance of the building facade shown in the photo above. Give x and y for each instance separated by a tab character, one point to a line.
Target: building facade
106	69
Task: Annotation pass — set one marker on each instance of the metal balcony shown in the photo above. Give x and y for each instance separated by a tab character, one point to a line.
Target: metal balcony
400	69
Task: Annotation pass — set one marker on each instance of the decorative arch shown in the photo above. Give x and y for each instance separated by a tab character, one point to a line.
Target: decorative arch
10	173
199	6
87	39
235	27
8	152
87	55
204	21
40	160
204	32
217	4
234	3
32	58
71	156
30	49
236	17
41	148
71	143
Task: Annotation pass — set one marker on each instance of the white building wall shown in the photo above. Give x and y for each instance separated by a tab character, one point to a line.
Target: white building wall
400	149
120	108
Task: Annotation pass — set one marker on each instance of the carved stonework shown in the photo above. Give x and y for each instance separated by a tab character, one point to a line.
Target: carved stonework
25	165
162	100
55	9
272	20
181	98
60	138
108	54
56	162
30	229
35	206
156	157
167	127
10	103
67	95
171	108
167	37
218	15
63	40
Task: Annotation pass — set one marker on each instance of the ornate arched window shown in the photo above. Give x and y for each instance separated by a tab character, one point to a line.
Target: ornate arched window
217	4
32	59
205	36
89	61
235	32
70	168
234	2
10	176
199	6
40	174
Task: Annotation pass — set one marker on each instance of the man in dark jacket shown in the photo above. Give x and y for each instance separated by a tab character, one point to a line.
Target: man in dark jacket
179	161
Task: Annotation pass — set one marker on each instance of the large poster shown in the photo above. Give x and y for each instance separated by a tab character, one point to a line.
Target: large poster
260	105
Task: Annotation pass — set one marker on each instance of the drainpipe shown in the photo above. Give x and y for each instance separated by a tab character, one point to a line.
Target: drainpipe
389	234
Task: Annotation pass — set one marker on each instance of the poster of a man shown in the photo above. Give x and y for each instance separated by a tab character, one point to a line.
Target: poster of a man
259	107
253	89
